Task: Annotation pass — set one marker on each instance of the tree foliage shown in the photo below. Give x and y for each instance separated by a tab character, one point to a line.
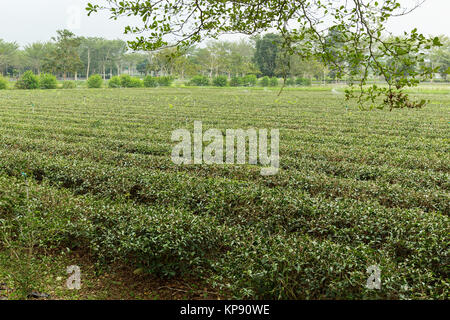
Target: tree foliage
7	54
65	56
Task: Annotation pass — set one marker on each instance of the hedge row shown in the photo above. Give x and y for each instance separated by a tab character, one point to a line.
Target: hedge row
247	81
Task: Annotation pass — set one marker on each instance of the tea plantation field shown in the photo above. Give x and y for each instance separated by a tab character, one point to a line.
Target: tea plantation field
90	170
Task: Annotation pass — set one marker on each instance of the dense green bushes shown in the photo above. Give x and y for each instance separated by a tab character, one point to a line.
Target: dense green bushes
290	82
220	81
249	80
236	82
126	81
199	81
165	81
95	81
264	82
150	82
47	81
3	83
28	81
303	82
268	82
274	82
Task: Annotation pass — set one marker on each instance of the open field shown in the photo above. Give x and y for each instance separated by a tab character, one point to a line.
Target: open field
91	170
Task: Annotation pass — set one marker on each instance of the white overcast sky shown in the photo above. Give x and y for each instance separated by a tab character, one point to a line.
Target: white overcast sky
27	21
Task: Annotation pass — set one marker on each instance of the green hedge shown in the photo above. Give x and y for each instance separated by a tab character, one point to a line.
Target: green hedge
200	81
47	81
95	81
28	81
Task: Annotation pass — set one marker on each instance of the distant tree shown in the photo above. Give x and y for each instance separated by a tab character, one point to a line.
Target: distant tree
118	49
267	53
241	60
89	51
8	52
65	57
335	40
36	55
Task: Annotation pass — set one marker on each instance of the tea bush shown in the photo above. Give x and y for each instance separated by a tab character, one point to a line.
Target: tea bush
199	81
115	82
150	82
354	190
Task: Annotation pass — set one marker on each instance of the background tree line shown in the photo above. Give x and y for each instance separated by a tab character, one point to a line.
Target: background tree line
69	56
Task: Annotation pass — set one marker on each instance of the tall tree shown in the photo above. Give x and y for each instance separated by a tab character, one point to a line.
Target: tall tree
267	53
440	57
8	50
36	55
65	57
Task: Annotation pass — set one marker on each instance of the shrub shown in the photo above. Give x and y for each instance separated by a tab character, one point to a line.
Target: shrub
3	83
28	81
114	82
274	82
95	81
69	85
290	82
47	81
303	81
249	80
165	81
150	82
200	81
264	82
136	83
125	81
236	82
220	81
